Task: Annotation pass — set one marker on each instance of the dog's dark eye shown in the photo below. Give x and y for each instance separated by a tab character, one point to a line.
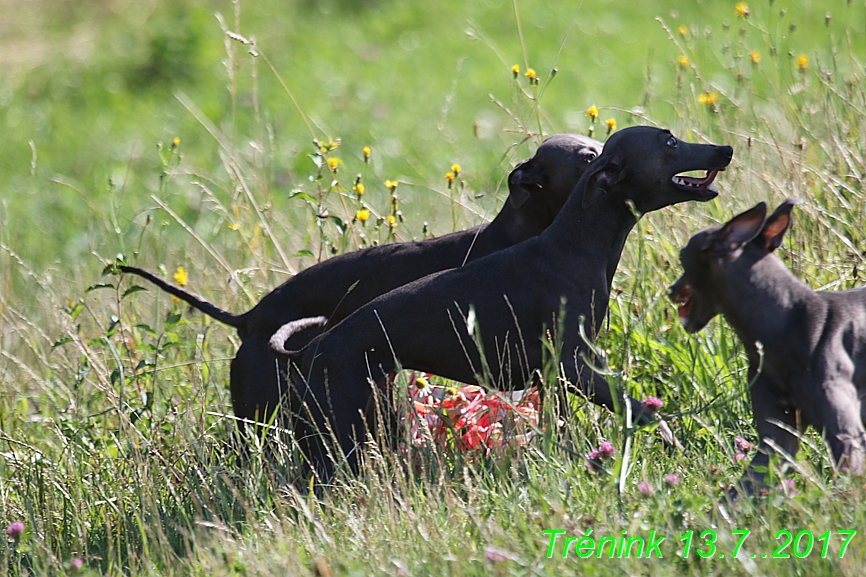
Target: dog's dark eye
672	142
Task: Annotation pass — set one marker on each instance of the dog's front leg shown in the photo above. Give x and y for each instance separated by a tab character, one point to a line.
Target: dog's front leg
772	408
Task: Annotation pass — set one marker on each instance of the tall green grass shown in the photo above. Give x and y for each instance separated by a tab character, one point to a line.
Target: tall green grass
115	426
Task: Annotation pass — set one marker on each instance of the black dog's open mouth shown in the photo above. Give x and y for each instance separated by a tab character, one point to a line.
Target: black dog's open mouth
684	299
693	184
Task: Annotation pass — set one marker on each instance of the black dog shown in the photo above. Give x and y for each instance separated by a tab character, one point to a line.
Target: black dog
538	187
502	301
813	367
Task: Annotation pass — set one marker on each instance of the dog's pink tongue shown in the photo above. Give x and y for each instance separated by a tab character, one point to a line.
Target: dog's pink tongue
706	181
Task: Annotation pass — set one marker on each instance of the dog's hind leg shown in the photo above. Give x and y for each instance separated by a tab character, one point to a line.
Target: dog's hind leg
833	407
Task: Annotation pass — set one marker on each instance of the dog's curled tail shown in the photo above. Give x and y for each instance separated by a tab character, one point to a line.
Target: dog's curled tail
279	338
231	319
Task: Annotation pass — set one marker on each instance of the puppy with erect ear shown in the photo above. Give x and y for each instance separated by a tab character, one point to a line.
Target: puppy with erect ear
712	254
736	232
778	224
753	226
806	349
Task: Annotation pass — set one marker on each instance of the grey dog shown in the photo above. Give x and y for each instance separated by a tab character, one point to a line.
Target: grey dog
812	370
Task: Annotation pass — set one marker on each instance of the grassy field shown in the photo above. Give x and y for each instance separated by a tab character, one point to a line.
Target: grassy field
144	129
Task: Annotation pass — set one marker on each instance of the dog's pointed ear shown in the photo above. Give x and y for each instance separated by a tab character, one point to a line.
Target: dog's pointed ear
777	225
603	172
738	231
523	180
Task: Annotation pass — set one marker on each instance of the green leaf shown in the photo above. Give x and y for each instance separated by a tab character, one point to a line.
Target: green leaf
96	341
114	267
61	342
145	328
172	320
303	196
132	290
99	285
303	252
143	364
76	310
339	223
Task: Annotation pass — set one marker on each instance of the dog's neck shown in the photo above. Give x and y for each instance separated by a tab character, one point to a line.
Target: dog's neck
511	226
595	233
515	225
760	300
583	241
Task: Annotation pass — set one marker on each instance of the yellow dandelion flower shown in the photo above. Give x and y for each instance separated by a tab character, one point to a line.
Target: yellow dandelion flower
683	30
362	215
449	176
391	184
683	61
742	9
515	70
366	150
359	189
334	163
531	74
592	112
176	142
180	276
455	168
708	98
611	124
392	221
755	57
802	62
233	226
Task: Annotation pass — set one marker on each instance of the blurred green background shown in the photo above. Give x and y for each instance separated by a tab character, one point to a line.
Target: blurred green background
89	89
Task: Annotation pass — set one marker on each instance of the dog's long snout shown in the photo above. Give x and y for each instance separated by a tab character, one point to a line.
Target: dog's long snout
727	153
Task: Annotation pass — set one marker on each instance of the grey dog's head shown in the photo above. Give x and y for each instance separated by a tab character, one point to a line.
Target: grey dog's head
716	252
